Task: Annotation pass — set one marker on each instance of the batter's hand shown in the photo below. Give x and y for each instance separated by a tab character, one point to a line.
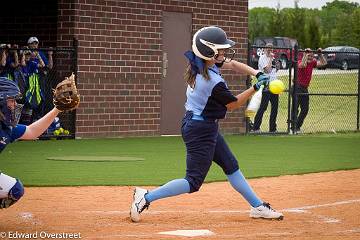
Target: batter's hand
263	80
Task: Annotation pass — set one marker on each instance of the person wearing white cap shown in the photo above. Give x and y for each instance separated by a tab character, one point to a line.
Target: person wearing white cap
37	92
32	40
39	56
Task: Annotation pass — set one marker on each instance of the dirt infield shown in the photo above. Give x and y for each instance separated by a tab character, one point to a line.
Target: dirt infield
316	206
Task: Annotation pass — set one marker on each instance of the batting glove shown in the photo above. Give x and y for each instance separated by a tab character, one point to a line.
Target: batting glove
263	80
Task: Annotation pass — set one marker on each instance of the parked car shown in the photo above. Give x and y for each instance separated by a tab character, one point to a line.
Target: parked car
343	57
282	46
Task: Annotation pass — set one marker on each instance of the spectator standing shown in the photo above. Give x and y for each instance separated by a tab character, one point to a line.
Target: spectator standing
33	44
305	69
269	66
33	94
44	74
9	60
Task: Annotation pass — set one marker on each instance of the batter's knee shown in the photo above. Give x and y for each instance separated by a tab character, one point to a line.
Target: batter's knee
15	193
195	183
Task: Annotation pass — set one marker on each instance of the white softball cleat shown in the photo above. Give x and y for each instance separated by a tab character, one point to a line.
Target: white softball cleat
266	212
139	204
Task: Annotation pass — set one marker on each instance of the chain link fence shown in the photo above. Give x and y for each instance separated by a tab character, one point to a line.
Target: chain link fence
329	104
37	81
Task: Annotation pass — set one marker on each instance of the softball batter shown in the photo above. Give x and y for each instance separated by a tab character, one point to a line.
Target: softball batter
11	189
208	99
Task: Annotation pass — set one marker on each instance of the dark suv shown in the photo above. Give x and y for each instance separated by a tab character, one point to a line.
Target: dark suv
343	57
283	55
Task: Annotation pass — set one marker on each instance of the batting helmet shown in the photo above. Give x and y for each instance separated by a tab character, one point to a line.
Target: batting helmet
9	90
208	40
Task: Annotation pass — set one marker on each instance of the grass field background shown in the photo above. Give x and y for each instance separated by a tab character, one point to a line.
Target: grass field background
326	113
156	160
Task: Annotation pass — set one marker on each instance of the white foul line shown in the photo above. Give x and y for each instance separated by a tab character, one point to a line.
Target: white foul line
322	205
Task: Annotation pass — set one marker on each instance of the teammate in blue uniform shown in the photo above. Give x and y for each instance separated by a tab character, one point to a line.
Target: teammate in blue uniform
208	99
11	189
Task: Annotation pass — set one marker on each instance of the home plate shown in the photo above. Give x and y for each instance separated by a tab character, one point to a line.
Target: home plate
189	233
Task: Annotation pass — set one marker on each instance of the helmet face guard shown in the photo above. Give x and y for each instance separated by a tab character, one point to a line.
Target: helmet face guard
228	55
10	115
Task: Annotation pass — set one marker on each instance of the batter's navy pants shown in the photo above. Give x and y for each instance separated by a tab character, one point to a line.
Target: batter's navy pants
204	144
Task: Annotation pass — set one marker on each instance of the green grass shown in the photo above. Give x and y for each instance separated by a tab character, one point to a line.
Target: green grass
326	113
164	159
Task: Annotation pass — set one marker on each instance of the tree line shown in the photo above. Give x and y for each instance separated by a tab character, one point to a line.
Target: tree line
336	23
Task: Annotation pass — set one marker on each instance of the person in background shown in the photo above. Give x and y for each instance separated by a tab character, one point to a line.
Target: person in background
305	69
269	66
33	44
45	73
9	60
33	93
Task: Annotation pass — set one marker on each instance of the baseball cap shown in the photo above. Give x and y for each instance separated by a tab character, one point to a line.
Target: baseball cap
269	45
33	39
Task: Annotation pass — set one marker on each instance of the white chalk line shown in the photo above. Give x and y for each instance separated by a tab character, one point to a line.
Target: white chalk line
324	205
356	230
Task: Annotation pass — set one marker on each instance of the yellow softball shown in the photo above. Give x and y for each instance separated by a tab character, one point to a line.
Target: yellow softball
276	86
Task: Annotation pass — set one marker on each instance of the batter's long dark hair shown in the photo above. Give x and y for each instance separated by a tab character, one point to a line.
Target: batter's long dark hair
189	76
2	117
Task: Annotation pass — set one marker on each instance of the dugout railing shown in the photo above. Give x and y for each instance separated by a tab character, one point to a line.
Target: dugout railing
333	93
37	84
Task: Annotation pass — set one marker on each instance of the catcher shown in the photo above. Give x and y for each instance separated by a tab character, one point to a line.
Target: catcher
66	98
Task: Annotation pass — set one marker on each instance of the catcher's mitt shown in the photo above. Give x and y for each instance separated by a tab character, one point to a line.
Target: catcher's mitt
66	97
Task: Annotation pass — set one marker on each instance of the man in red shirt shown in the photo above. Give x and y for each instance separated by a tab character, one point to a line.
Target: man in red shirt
305	68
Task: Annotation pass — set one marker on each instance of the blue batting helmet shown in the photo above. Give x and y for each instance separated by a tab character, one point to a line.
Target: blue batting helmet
208	40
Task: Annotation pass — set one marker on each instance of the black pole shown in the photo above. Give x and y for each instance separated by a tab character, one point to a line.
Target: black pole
75	56
294	91
75	71
358	102
248	84
289	93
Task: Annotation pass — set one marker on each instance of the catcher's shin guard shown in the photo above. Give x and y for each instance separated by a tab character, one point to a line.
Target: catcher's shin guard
11	190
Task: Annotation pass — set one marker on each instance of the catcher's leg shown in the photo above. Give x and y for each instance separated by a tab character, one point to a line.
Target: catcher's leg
11	190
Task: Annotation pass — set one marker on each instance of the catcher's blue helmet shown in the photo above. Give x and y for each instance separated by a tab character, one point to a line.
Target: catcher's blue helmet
9	90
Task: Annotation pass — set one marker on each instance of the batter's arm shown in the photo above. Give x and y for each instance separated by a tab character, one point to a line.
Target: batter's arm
241	99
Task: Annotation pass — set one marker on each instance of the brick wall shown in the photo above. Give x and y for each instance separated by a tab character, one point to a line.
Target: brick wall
119	59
